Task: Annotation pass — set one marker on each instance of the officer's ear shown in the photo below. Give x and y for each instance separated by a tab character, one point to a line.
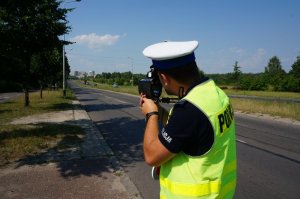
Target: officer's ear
164	78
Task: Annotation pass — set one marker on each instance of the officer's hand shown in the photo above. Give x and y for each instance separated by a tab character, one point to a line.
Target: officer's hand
147	105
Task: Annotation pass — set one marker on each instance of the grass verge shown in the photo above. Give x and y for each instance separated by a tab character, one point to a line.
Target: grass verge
18	141
280	109
52	101
271	94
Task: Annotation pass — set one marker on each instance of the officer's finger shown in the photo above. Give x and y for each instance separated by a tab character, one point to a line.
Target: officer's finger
141	101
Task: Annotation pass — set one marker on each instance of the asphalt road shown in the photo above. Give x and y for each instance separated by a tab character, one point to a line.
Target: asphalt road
4	97
268	151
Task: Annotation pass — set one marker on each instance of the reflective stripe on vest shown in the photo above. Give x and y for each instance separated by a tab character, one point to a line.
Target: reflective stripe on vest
191	189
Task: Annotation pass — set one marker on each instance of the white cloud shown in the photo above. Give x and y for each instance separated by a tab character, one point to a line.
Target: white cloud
255	61
259	55
237	50
94	41
222	60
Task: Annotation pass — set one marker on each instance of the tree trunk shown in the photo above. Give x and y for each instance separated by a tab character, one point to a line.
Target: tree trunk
41	92
26	92
27	77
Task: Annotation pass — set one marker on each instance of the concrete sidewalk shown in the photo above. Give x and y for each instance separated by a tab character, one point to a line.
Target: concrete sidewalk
87	171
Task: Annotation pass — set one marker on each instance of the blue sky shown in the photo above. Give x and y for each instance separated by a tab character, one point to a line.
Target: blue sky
110	35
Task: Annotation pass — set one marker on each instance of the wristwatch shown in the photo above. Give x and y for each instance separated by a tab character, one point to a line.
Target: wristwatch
148	115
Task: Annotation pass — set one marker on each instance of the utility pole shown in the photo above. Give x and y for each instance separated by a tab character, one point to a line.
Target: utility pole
131	70
64	75
64	69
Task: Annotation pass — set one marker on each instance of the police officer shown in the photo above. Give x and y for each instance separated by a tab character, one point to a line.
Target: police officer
196	149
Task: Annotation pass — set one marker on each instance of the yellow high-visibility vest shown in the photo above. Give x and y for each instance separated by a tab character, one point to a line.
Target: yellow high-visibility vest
213	174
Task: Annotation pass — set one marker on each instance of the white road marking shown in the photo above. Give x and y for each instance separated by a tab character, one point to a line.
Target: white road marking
242	141
112	98
121	101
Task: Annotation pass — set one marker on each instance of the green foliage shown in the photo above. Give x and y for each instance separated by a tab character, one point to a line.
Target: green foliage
274	78
124	78
29	46
290	83
236	72
221	79
274	73
46	66
296	68
253	82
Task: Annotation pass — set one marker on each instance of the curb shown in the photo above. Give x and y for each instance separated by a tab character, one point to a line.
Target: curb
102	148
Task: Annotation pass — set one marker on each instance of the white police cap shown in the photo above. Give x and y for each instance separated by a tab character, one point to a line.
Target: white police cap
170	54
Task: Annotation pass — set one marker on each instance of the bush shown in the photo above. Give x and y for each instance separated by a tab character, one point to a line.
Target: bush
290	83
253	82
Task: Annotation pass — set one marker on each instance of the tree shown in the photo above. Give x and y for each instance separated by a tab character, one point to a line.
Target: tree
29	27
119	78
293	83
290	83
252	81
46	67
296	68
85	78
236	71
201	73
274	73
235	76
274	66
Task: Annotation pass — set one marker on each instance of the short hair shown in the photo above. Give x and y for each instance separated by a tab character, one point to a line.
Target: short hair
185	74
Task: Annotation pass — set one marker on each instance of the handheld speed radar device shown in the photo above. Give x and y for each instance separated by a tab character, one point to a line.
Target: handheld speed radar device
151	86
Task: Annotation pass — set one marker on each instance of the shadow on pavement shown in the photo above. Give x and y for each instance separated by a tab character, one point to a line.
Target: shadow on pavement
76	154
125	136
102	107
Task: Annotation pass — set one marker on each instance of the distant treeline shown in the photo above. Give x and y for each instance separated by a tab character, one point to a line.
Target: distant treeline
273	78
125	78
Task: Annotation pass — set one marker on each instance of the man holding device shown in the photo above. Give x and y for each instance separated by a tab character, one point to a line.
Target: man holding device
196	149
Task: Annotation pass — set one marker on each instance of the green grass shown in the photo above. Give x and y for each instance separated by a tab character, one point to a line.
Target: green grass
281	109
123	89
18	141
52	101
273	94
